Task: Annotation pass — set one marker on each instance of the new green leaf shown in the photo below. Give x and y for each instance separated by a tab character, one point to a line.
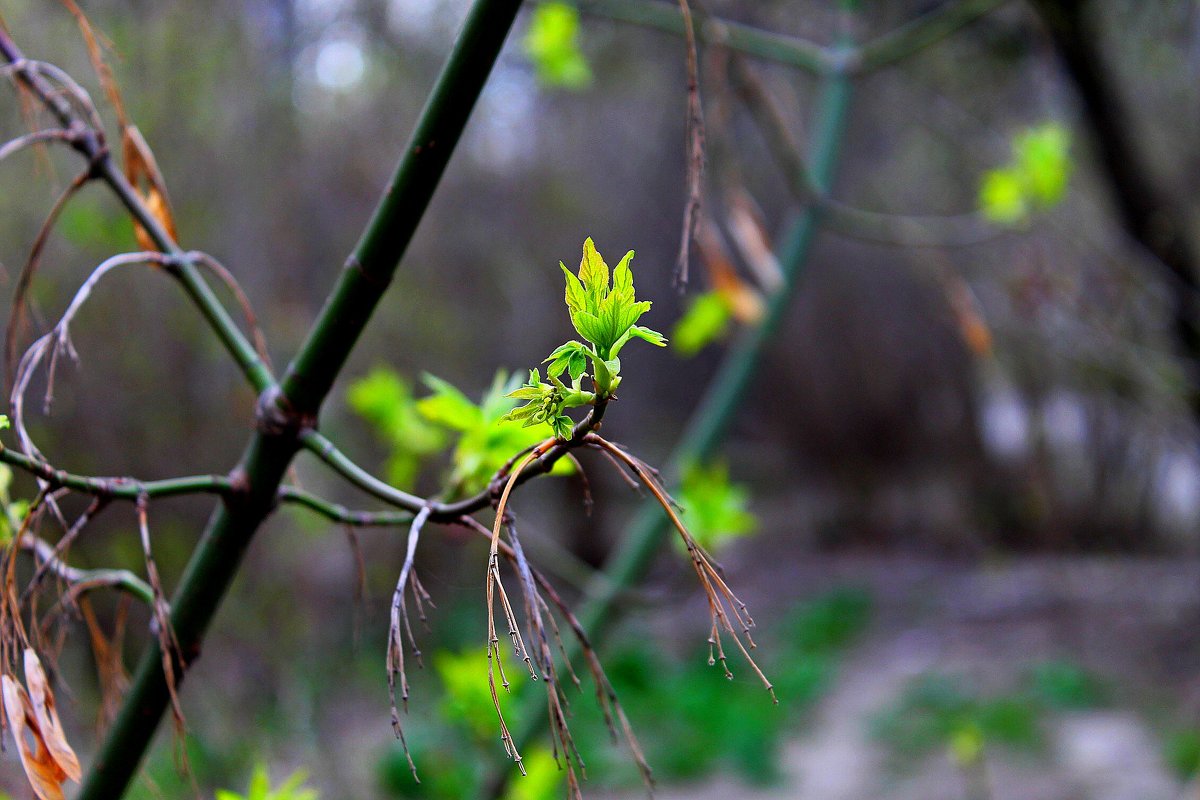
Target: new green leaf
552	44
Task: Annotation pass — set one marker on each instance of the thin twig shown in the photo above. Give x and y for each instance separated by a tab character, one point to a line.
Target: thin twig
338	513
695	149
82	580
167	643
495	586
59	551
395	646
31	139
16	317
724	606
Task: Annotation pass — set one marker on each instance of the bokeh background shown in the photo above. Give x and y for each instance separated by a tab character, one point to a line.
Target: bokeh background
969	452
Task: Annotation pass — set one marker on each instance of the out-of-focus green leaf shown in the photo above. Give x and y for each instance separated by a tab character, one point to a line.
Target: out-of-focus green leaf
1043	157
937	712
386	401
1002	197
705	321
447	406
552	44
488	442
260	788
542	779
14	511
1063	685
467	700
1181	752
715	510
1035	178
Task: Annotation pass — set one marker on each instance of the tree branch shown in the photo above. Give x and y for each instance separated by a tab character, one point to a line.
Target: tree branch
914	36
82	580
90	142
339	513
323	448
283	415
117	488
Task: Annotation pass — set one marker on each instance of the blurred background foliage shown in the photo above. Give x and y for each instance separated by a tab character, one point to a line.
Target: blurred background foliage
1018	393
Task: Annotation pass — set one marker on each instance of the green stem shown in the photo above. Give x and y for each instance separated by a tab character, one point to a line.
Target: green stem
805	55
320	446
83	579
336	512
925	30
724	396
260	472
811	57
115	487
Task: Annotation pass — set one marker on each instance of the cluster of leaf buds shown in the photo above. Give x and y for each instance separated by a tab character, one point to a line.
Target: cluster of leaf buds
604	310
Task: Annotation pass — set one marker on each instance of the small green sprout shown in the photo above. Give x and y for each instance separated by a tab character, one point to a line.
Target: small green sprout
546	401
604	310
260	788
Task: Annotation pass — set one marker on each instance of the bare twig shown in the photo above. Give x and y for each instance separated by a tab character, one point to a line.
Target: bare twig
695	149
59	551
16	317
496	587
395	647
562	740
81	580
168	645
58	342
31	139
725	608
231	283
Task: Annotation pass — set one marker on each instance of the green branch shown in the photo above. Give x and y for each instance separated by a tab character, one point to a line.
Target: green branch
805	55
81	580
260	472
90	143
320	446
811	57
927	29
119	488
339	513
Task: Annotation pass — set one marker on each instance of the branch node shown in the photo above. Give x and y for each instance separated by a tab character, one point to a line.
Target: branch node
275	415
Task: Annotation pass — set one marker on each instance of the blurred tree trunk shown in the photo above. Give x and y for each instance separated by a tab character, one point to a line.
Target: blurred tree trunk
1145	210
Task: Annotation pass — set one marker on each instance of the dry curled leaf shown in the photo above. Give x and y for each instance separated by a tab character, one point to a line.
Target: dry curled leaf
971	325
140	167
44	773
744	301
45	711
110	668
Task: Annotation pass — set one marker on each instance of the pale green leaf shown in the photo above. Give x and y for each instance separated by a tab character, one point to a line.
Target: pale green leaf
646	335
715	510
706	320
575	295
623	276
576	365
1042	155
447	405
552	44
1002	197
593	272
